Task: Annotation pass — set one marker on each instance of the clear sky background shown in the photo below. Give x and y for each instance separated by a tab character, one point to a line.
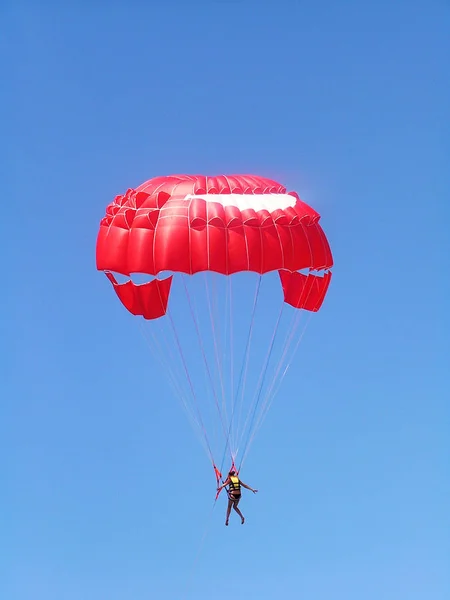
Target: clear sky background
105	491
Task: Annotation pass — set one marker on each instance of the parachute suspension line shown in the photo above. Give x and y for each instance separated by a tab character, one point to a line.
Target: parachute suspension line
295	322
275	387
242	375
168	365
269	394
219	366
206	389
222	340
220	326
292	330
223	316
244	369
260	384
216	339
202	349
230	433
155	347
177	339
269	397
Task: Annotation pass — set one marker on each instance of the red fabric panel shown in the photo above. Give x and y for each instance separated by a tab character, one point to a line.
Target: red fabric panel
328	262
237	250
287	248
317	292
272	253
146	218
254	248
215	212
197	214
171	247
318	251
233	217
302	258
112	249
251	217
199	250
304	291
306	214
216	250
148	299
140	251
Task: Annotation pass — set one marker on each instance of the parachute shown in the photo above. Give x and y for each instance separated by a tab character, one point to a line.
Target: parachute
222	270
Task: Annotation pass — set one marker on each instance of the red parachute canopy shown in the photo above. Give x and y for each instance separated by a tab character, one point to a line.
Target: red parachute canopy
225	224
171	228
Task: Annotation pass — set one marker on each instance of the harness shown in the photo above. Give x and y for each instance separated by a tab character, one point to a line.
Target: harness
234	486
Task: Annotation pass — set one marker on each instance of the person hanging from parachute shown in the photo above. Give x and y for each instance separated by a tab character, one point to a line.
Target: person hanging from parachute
233	483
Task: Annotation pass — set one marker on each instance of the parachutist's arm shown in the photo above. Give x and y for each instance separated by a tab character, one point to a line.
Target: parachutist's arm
224	485
247	487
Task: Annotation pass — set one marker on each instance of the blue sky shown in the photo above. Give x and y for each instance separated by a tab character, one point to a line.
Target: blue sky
106	493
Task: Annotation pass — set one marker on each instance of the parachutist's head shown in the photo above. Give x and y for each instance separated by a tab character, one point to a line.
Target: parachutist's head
231	473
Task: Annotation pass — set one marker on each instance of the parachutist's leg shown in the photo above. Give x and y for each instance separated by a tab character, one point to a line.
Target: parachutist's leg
235	506
230	503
